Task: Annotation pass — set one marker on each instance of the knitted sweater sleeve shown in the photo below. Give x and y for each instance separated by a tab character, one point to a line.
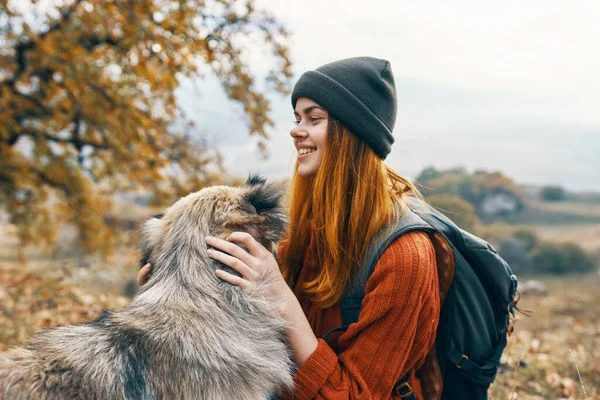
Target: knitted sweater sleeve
395	330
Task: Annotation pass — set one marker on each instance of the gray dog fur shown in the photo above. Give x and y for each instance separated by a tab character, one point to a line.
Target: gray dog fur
186	334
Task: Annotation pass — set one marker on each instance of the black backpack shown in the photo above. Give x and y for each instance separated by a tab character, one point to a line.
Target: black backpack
474	317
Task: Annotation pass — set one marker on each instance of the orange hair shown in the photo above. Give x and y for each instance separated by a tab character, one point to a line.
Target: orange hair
345	203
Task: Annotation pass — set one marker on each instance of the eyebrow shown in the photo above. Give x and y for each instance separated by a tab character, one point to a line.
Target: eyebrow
309	109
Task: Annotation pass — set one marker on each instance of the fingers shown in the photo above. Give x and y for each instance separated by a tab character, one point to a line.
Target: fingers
230	248
251	264
233	279
143	273
255	248
235	263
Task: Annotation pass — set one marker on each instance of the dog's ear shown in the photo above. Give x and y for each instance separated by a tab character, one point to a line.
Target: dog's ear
262	196
255	180
151	233
266	200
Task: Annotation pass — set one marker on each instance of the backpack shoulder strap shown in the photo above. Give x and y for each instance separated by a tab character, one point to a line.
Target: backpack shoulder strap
350	303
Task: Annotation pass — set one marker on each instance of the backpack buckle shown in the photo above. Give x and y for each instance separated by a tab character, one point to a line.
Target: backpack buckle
404	390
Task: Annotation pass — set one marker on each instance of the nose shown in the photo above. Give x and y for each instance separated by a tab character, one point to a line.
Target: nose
298	132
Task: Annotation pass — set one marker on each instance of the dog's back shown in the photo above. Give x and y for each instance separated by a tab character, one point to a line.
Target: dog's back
62	363
125	354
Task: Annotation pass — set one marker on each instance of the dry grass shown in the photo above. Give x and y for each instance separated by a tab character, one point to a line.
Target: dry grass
578	208
57	290
556	349
586	236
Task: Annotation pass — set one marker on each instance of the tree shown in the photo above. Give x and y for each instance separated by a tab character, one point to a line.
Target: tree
553	193
87	103
427	174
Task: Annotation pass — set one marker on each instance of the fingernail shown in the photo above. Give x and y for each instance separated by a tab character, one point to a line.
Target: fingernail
210	251
208	238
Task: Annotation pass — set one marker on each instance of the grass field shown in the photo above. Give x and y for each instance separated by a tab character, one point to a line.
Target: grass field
587	236
562	336
547	213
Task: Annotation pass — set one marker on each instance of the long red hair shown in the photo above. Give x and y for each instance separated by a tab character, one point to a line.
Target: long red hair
345	203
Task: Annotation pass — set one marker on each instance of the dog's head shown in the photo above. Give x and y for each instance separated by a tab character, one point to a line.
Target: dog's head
216	211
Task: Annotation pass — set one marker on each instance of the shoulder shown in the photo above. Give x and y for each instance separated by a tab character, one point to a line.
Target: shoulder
408	260
413	248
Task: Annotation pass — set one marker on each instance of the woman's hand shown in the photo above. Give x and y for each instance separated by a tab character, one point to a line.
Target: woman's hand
253	264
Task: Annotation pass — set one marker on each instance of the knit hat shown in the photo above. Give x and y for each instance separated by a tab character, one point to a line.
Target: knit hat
360	93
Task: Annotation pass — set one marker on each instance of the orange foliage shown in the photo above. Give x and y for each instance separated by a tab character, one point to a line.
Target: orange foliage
87	103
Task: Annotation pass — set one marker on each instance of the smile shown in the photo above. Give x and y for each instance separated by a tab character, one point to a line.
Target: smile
306	151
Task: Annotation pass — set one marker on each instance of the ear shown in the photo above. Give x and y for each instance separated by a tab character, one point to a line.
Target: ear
150	236
263	197
255	180
266	200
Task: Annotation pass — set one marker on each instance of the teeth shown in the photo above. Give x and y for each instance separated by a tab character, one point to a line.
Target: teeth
306	151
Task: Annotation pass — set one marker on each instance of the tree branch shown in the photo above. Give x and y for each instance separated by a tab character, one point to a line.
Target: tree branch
77	142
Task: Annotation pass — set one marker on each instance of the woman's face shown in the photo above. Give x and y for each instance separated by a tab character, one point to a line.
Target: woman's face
310	135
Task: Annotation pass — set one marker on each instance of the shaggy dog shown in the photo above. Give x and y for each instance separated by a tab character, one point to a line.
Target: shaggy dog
186	334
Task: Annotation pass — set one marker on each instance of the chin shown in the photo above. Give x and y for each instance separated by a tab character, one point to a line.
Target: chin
306	170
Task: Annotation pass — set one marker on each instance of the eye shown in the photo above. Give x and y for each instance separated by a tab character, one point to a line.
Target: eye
296	122
315	119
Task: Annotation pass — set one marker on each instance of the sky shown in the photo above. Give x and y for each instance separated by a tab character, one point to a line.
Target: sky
508	86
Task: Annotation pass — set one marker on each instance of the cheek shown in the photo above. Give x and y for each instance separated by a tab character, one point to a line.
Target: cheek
320	137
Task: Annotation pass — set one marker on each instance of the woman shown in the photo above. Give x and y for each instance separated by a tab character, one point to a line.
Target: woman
341	195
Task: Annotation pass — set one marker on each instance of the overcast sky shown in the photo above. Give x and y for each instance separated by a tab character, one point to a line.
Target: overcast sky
510	86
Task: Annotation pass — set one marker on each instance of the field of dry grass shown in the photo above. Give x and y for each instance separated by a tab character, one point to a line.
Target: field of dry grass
555	353
587	236
574	207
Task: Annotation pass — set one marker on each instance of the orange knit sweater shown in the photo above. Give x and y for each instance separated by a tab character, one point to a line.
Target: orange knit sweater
395	331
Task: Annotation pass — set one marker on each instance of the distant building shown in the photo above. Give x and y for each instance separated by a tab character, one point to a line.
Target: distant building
499	202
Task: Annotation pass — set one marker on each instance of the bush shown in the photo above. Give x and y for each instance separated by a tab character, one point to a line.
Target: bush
577	259
528	238
553	193
561	259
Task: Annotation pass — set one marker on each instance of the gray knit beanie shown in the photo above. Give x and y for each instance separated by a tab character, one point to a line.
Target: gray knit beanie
360	93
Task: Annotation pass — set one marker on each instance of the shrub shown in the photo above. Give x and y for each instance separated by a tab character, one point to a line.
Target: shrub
528	238
561	259
553	193
577	259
